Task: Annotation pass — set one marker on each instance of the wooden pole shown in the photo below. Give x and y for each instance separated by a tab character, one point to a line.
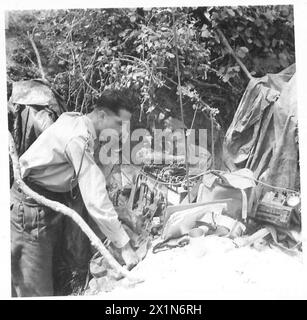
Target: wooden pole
181	105
212	141
38	58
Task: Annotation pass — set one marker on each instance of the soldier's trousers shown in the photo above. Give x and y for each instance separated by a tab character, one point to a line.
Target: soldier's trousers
46	248
34	231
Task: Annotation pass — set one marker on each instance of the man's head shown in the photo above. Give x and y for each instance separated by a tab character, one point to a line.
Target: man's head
110	110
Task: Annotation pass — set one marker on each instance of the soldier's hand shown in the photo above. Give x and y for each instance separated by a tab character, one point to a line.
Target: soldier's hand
129	256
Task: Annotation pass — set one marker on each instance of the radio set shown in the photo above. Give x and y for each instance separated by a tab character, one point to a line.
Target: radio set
277	208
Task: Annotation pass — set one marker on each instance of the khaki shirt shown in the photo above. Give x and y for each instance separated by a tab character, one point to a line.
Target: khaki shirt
52	160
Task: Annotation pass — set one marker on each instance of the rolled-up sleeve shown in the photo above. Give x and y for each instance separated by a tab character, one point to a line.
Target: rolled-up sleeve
92	185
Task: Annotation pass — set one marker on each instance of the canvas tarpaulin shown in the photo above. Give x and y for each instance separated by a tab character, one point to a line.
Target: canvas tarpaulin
33	106
263	134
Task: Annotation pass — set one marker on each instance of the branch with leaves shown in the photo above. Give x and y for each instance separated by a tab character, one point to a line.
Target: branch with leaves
134	48
231	51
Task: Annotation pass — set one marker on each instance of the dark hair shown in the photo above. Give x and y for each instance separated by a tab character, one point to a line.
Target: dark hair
114	100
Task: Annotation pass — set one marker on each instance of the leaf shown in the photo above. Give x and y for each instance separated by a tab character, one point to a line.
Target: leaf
207	15
241	52
250	19
221	71
231	12
284	63
269	15
205	33
150	109
226	77
170	55
258	43
258	22
217	38
283	56
139	48
133	18
248	32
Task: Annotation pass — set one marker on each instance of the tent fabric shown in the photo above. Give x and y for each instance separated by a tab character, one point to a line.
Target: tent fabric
33	106
36	92
263	134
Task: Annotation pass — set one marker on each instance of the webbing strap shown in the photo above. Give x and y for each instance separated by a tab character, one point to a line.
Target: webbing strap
244	195
76	177
244	204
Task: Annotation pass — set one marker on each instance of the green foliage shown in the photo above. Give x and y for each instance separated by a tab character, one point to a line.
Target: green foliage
263	37
85	51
